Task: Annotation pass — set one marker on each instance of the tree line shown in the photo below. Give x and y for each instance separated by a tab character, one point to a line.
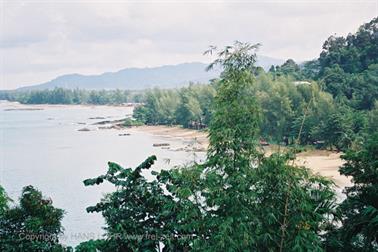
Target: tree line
75	96
284	103
336	94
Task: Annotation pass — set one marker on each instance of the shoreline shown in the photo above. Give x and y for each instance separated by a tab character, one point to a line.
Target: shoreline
175	132
323	162
22	106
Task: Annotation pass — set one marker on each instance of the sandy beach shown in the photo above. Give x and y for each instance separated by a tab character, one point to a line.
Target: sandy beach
325	163
200	137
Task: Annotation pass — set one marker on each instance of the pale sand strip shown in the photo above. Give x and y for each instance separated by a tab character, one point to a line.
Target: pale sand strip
326	163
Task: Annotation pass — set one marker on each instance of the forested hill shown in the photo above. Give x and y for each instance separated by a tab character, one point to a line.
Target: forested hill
169	76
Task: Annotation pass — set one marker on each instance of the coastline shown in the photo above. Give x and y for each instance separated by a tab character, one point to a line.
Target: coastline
176	132
323	162
21	106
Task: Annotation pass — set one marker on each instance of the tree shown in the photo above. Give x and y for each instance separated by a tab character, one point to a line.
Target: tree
93	246
234	124
282	192
365	87
33	225
355	52
359	211
237	200
4	201
249	197
310	69
277	114
337	81
347	66
139	214
372	120
289	68
189	109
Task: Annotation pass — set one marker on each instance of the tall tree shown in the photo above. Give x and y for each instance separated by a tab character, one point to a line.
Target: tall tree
359	211
33	225
237	200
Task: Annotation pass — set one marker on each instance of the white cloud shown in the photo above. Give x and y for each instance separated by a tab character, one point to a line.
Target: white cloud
42	39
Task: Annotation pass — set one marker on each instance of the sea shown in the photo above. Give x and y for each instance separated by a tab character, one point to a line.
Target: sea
42	146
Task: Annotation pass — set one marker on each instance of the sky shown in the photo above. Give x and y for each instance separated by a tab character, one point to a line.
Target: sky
40	40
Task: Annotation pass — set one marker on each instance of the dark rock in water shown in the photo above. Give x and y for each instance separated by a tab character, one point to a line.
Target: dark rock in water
160	144
124	134
115	126
105	127
108	122
97	117
102	122
84	129
81	123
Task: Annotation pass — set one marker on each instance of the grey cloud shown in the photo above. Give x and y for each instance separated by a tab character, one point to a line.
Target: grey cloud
49	37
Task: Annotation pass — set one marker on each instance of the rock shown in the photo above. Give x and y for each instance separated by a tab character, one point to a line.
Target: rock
105	127
119	122
97	117
84	129
160	144
102	122
124	134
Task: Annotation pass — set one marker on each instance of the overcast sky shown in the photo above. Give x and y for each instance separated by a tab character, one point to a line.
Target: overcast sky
43	39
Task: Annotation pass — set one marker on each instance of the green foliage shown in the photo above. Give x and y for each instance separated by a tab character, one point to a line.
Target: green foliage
237	200
348	66
190	107
159	107
289	68
128	122
285	191
67	96
355	52
93	246
359	211
4	201
233	130
249	198
33	225
341	128
140	113
310	69
138	214
372	120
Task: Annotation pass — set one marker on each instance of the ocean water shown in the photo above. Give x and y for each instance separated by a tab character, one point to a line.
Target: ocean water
44	148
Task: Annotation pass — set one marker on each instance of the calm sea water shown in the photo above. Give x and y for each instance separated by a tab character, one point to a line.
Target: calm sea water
44	148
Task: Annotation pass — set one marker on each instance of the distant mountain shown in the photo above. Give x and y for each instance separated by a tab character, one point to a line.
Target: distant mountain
169	76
